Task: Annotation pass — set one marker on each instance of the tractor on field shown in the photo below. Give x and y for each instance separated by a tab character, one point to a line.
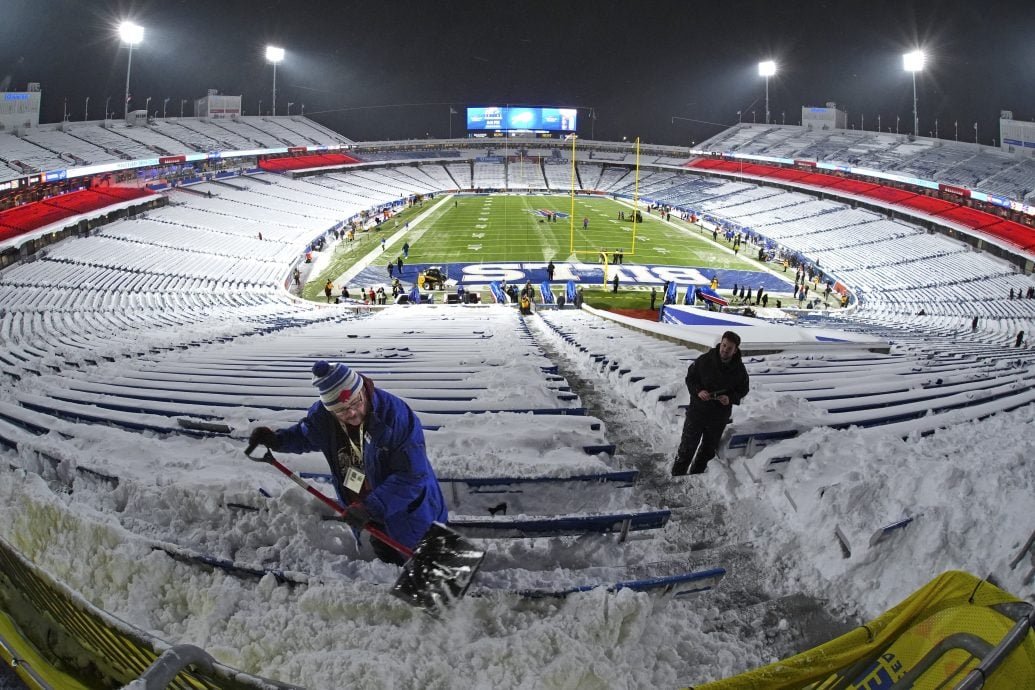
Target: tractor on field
432	278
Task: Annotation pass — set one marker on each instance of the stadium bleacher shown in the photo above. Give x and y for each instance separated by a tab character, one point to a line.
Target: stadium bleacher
127	328
1015	234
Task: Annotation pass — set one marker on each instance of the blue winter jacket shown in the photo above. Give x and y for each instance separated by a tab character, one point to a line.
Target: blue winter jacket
404	493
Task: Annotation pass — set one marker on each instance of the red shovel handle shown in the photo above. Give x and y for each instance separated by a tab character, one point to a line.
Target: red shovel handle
337	507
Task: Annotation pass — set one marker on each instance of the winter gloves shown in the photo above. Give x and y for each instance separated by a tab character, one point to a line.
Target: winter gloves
263	436
356	516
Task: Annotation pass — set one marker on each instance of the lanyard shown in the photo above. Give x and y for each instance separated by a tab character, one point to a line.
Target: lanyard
357	450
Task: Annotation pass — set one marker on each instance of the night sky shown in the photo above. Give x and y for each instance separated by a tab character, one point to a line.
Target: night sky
668	72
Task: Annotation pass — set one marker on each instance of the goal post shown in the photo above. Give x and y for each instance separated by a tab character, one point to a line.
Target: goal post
594	248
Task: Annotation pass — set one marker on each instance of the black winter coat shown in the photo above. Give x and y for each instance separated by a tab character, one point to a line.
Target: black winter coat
709	373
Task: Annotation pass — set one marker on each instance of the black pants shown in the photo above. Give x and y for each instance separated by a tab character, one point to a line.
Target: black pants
702	436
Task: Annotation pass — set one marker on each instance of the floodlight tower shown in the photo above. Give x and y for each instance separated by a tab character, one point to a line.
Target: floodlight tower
131	34
913	63
274	55
766	68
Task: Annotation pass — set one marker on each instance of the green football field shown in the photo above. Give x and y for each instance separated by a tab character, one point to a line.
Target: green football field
509	228
495	228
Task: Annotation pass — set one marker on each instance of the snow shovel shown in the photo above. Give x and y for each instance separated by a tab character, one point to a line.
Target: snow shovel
437	572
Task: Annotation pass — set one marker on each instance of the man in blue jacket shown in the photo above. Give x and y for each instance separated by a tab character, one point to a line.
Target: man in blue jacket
374	445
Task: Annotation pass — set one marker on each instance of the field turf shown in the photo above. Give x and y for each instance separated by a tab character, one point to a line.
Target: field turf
513	228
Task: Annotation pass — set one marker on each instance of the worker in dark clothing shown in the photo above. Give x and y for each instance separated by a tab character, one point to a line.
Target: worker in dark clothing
717	380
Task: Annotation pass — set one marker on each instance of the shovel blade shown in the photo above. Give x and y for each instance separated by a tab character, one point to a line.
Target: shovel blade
440	570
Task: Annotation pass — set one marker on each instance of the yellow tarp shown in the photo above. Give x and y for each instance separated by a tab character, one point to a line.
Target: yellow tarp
954	610
31	665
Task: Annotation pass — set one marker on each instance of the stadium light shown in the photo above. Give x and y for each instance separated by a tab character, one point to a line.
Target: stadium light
131	34
913	63
274	55
766	68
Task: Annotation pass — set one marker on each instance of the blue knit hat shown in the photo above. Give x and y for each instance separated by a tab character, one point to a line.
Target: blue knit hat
336	383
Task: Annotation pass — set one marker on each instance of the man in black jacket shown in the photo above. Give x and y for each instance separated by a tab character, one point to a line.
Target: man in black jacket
717	380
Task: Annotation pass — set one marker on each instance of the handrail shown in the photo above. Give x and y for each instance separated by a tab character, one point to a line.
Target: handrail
976	678
165	668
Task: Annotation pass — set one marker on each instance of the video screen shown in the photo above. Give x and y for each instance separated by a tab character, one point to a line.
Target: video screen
498	118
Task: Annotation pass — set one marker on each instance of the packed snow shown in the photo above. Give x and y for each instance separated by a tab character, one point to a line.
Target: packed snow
804	530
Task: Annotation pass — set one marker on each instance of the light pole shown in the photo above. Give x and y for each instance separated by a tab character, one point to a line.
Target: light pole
86	110
878	122
289	108
131	34
274	55
147	108
182	101
260	108
935	128
165	107
956	130
106	102
766	68
913	63
303	110
896	124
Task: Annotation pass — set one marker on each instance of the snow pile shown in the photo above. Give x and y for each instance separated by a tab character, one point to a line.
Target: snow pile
968	490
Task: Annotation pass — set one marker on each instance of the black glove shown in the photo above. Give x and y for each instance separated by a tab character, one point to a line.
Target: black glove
356	515
263	436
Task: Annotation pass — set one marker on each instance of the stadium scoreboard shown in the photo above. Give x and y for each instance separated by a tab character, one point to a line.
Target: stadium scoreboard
503	120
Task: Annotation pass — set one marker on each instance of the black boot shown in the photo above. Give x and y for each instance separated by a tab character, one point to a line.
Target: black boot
680	467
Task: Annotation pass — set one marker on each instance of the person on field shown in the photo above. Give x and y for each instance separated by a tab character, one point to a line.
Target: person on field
717	380
374	445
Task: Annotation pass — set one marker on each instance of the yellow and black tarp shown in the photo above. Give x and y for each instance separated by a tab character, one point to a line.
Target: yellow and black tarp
32	667
933	639
108	652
